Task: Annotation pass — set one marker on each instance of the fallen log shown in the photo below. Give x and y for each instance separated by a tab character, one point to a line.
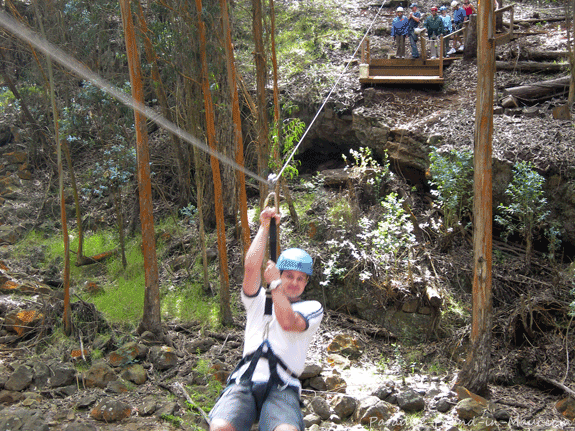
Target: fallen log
89	260
433	297
540	91
533	55
530	66
536	20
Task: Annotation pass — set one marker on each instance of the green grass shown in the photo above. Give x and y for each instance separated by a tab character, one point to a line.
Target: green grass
122	298
189	303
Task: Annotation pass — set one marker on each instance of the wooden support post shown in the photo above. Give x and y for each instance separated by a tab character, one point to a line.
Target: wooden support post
365	51
512	23
423	53
441	55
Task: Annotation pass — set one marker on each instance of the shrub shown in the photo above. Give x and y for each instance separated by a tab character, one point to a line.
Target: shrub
526	211
452	176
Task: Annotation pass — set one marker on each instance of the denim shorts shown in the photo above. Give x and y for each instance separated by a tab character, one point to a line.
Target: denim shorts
238	405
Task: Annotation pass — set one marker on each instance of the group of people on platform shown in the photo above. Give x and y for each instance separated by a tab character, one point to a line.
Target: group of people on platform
404	27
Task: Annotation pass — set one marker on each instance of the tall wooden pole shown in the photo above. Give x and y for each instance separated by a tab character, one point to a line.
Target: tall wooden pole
475	373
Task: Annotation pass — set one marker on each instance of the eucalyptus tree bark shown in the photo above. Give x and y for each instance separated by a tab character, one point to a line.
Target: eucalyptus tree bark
225	309
66	315
261	76
182	157
475	372
570	21
151	319
120	216
236	115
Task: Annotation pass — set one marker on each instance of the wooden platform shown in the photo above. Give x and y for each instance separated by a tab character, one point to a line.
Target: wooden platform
406	71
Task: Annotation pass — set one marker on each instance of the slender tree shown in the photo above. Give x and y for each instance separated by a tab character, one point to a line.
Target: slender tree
236	115
182	157
225	309
67	316
475	373
261	77
151	319
570	21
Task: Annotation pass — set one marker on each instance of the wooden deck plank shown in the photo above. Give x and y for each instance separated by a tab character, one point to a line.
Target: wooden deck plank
405	71
402	80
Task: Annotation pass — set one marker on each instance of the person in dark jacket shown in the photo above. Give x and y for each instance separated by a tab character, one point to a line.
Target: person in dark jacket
414	18
434	26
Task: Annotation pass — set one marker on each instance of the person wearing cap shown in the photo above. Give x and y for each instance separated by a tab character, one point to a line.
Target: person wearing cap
413	20
279	327
434	26
458	18
446	28
399	30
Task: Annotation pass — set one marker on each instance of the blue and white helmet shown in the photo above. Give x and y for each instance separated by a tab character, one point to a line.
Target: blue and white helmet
295	259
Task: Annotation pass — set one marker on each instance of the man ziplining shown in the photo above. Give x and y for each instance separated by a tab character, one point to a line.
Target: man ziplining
264	386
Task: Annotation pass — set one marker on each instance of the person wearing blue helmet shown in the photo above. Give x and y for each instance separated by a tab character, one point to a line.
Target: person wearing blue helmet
280	326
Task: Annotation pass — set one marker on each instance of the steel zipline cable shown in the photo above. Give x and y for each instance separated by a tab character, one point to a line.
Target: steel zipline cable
74	65
17	29
288	160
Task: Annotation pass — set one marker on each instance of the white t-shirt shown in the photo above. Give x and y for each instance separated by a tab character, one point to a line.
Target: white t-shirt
290	347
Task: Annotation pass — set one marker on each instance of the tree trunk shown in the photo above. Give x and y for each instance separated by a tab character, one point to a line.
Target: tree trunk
67	314
470	50
570	20
182	157
225	309
236	115
151	319
540	91
120	217
261	75
475	372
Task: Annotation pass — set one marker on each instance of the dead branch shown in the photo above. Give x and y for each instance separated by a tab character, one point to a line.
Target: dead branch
555	383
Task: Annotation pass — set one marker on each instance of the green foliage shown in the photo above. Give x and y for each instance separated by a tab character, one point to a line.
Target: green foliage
207	395
292	130
365	165
189	211
382	244
340	213
452	176
394	233
526	210
115	170
6	97
385	245
174	420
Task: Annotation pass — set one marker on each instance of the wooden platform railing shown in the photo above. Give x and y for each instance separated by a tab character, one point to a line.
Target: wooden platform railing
506	37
